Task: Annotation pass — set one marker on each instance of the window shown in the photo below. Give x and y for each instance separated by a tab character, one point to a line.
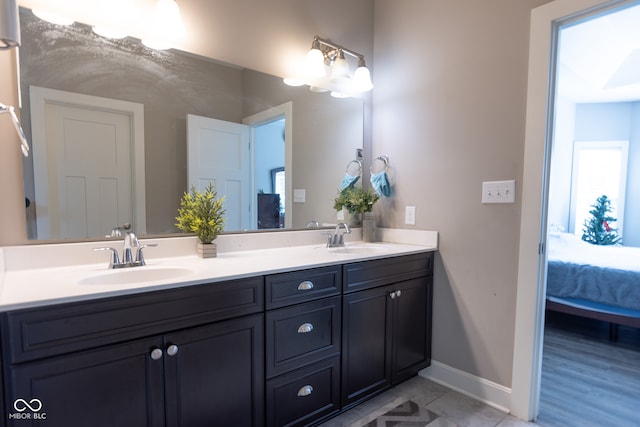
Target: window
599	168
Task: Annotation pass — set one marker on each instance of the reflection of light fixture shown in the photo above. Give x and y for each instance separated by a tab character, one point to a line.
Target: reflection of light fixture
9	24
362	77
24	145
166	25
340	69
52	17
324	53
112	13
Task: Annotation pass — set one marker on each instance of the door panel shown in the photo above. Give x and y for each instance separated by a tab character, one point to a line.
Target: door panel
217	375
218	152
119	385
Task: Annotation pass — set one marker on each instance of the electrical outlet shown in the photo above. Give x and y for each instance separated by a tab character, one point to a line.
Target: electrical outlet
499	191
410	215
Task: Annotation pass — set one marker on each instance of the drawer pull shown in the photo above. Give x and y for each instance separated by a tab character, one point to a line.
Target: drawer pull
305	391
156	354
305	286
172	350
305	328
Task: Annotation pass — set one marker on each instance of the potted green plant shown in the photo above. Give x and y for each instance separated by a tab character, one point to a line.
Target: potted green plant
202	213
357	201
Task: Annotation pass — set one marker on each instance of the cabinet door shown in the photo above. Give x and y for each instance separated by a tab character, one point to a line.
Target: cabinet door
215	374
411	328
365	352
119	385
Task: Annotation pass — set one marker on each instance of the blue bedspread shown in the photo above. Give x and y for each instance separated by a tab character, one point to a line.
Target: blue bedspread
612	286
603	274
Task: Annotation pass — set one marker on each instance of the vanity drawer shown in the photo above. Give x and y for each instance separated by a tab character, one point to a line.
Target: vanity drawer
380	272
291	288
302	334
63	328
308	394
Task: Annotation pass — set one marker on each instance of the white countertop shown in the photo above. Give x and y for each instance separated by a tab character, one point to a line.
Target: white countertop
38	275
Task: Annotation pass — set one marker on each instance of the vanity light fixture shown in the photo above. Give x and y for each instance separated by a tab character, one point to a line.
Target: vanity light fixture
165	27
10	38
326	55
9	24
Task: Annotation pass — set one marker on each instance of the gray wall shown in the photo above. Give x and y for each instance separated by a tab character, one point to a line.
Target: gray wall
449	110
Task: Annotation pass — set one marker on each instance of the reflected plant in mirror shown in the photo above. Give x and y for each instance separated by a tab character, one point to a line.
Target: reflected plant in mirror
108	121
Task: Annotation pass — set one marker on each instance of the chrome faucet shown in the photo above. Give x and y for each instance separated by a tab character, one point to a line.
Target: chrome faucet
337	238
130	244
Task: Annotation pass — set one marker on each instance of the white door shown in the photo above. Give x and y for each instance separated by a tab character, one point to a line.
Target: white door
83	156
218	152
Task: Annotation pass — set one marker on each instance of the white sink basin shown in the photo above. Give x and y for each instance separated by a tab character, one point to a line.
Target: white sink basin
135	275
360	248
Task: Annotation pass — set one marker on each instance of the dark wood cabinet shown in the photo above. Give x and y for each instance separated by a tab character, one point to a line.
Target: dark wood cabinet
386	335
287	349
209	372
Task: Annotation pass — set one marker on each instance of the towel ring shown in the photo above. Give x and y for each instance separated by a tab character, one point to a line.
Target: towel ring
382	162
354	168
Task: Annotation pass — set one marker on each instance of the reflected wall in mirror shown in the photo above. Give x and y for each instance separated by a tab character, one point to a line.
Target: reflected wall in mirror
169	85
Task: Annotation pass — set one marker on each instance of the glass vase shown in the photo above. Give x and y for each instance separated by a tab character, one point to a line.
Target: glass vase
368	227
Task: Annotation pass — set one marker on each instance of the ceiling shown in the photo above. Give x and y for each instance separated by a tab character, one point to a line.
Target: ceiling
600	59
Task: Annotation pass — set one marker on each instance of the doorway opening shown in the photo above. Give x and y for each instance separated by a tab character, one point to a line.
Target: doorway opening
596	110
538	210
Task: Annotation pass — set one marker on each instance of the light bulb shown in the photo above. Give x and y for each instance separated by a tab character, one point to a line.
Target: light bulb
314	64
51	17
166	26
340	70
362	80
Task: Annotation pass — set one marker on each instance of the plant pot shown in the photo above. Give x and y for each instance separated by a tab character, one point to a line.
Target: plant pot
355	219
207	250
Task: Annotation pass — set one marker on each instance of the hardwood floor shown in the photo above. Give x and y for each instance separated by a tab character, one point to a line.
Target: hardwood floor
588	380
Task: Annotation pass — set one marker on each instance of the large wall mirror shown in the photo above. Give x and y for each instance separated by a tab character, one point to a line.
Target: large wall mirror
112	121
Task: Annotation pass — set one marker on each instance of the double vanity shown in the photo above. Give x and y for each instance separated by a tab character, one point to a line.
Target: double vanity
284	333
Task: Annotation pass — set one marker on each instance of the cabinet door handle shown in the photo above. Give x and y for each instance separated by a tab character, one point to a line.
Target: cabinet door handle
398	293
305	328
392	295
156	354
172	350
305	286
305	391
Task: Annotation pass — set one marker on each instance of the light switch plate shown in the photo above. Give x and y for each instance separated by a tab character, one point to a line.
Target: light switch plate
499	191
299	195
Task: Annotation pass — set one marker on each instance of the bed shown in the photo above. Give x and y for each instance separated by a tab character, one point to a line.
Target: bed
598	282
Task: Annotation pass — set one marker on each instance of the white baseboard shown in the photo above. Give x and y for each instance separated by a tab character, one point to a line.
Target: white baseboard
487	392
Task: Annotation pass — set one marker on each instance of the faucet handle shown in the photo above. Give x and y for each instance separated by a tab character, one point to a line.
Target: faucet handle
115	259
140	255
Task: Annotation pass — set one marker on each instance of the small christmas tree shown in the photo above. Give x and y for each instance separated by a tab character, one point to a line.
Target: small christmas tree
597	230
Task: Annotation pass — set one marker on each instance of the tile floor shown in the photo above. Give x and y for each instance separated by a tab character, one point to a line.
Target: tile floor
452	408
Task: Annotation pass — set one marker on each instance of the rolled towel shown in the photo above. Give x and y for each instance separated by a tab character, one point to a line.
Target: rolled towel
348	181
380	183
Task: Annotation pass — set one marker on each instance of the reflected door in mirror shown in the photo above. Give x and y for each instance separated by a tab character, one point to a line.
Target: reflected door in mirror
84	152
218	152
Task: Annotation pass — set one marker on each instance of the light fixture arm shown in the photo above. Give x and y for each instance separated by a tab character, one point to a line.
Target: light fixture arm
24	145
330	50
